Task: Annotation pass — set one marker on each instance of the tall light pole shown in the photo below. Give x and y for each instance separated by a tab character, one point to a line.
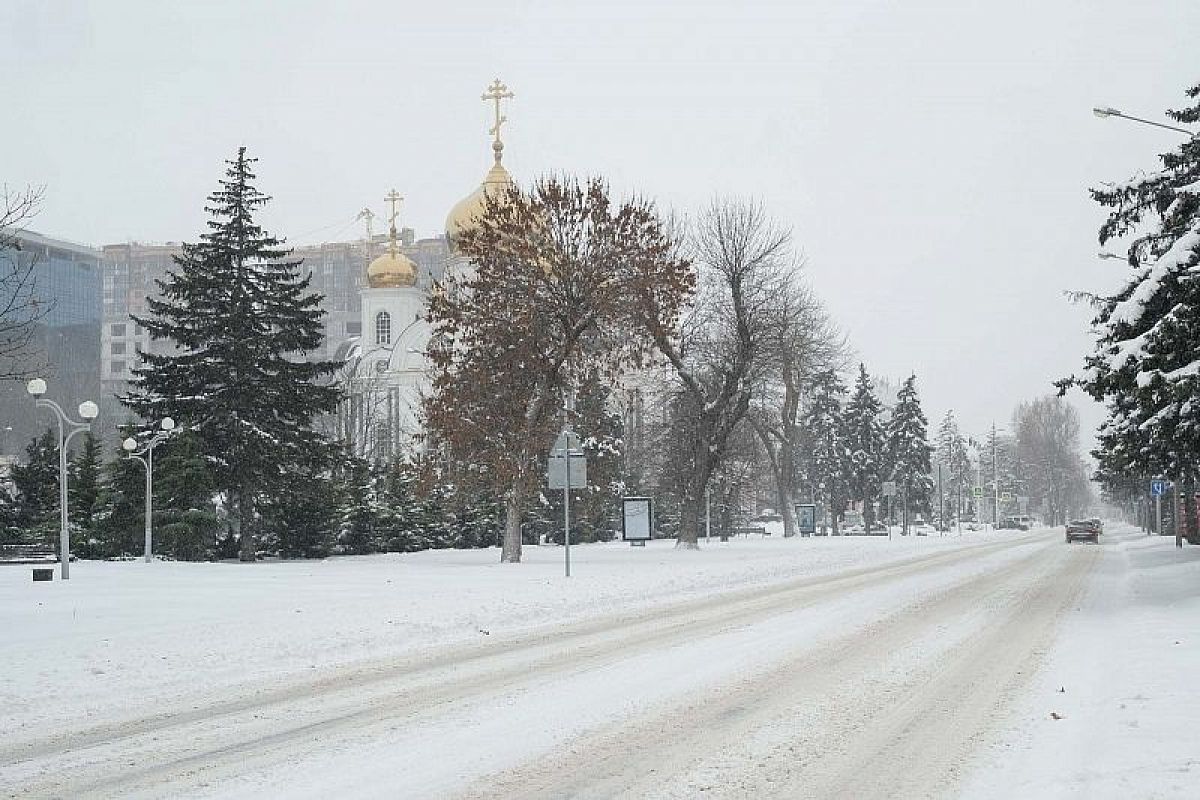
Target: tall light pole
146	457
67	428
1104	113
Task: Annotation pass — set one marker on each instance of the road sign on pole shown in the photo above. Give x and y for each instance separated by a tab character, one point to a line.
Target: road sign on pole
1158	487
889	488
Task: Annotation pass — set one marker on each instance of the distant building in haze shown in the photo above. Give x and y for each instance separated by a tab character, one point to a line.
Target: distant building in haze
66	338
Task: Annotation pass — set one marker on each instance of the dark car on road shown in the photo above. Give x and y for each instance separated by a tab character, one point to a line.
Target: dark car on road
1083	529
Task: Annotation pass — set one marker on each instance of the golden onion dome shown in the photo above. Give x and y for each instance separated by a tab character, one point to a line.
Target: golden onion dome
392	270
468	210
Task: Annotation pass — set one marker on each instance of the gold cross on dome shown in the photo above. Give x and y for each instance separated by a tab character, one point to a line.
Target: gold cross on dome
394	198
497	92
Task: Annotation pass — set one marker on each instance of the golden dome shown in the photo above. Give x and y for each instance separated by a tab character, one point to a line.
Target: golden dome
392	270
468	210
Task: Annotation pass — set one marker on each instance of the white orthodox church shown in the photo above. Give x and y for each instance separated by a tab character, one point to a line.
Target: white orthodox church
386	372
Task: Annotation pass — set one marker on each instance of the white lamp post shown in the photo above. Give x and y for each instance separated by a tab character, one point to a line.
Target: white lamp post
146	457
67	428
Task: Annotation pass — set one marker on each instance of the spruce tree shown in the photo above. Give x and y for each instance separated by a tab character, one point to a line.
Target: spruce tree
34	511
909	450
828	464
118	525
356	533
242	321
867	443
1145	366
185	518
302	517
951	454
84	493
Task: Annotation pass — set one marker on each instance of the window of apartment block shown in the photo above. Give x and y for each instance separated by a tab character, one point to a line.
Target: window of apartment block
117	367
118	348
117	329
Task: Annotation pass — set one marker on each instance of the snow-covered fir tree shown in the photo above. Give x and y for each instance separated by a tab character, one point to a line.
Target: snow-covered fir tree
909	451
84	487
950	452
356	532
1146	365
242	320
827	467
867	442
117	526
185	517
32	513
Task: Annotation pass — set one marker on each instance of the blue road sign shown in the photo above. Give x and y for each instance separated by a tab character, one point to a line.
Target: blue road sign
1158	488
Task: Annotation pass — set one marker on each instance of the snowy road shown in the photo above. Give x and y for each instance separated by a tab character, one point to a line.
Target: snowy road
868	682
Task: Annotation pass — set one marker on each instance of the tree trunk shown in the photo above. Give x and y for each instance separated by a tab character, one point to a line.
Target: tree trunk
691	513
510	552
785	480
786	509
1189	507
242	527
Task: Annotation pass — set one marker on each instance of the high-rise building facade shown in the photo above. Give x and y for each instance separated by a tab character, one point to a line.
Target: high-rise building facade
339	274
66	341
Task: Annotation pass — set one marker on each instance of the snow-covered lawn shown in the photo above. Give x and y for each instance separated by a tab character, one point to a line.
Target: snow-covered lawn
940	676
120	635
1113	713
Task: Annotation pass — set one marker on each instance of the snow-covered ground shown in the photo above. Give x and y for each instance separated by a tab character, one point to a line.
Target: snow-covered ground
1113	712
758	668
120	633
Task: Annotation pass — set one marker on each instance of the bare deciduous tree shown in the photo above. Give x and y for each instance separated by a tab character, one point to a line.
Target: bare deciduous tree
807	343
1048	450
20	307
723	348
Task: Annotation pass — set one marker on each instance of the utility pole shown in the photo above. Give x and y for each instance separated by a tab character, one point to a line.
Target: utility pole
995	483
707	516
941	502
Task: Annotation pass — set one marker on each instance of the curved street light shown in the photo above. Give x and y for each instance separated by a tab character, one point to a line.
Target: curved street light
1105	113
146	457
67	428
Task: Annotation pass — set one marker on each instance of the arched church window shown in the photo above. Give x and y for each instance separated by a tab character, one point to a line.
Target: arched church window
383	328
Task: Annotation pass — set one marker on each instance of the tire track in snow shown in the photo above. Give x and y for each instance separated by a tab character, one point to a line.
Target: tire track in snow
227	738
892	709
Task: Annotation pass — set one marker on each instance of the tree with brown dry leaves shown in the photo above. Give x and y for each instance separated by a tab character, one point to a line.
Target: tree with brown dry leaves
561	283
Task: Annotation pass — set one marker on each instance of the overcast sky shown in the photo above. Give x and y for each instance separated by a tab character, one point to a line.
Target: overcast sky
931	157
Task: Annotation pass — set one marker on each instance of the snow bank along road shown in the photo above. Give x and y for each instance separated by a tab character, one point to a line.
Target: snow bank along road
877	681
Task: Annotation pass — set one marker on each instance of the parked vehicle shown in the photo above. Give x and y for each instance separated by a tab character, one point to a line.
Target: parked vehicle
1084	529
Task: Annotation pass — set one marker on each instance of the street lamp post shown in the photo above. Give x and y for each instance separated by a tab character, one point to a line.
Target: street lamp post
146	457
1104	113
67	428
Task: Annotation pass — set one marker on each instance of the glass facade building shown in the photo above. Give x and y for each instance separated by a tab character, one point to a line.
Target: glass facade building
66	342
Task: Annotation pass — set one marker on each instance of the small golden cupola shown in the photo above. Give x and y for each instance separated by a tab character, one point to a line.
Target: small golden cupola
393	269
468	210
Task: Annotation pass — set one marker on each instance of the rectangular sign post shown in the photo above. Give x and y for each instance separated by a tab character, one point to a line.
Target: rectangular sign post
1158	488
566	469
889	491
806	518
637	520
